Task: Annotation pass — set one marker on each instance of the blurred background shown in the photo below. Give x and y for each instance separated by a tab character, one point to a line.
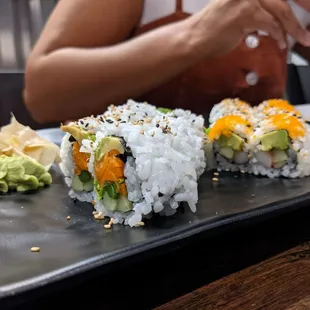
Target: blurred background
21	22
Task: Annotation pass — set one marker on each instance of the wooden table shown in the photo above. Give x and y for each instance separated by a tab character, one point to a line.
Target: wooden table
279	282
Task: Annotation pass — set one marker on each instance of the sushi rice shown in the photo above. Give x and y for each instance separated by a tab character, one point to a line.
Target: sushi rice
151	163
230	106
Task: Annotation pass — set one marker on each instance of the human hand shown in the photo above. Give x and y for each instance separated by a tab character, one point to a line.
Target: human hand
225	23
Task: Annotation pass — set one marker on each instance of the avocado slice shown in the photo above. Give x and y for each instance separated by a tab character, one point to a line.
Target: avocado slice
77	133
227	152
107	144
275	140
233	141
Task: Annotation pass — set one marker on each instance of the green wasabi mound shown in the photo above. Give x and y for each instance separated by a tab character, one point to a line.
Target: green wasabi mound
22	174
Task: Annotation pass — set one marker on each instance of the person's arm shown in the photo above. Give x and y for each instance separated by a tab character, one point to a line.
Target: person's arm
74	70
78	66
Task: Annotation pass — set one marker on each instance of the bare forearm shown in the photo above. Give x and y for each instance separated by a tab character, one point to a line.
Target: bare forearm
72	82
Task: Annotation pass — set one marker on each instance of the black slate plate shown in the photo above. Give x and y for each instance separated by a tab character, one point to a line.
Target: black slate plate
70	247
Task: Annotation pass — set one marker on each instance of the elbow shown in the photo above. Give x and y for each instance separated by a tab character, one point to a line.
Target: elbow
35	94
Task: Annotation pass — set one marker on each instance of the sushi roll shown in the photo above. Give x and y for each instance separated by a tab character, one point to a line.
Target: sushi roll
274	106
280	147
147	163
228	138
74	163
230	107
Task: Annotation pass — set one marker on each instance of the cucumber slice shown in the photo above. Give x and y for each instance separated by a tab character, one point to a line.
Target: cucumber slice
227	152
111	191
85	176
88	186
109	203
124	205
77	184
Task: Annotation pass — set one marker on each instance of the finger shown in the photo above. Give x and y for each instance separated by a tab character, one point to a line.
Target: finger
263	21
305	4
282	12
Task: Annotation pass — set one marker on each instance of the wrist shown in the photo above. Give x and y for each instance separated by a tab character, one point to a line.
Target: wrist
197	43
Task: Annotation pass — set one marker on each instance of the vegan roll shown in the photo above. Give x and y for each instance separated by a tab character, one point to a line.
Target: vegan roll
280	147
147	163
229	137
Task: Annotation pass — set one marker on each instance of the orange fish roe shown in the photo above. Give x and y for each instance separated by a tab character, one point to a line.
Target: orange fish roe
280	104
289	123
227	124
80	159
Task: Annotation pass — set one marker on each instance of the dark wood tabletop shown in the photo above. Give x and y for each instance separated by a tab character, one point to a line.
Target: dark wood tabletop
281	281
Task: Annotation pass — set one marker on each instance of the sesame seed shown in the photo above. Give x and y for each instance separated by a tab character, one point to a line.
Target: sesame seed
93	202
35	249
215	179
99	216
68	217
142	132
107	226
216	173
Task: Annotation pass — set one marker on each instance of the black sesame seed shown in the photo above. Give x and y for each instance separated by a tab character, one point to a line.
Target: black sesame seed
110	121
86	125
72	139
157	125
82	122
160	194
123	122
